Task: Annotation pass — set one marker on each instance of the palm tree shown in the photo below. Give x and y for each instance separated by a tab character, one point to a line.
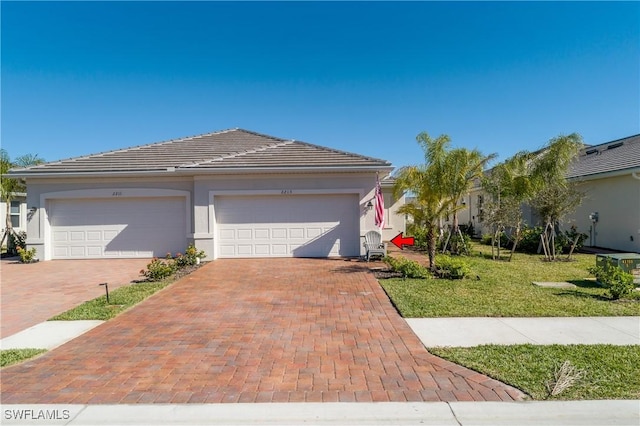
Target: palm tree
462	168
509	184
428	183
9	187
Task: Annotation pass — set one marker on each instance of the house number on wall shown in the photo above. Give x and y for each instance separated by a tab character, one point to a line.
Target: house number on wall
286	191
116	194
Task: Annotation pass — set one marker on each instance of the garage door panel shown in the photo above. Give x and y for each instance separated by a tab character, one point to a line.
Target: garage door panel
112	228
285	226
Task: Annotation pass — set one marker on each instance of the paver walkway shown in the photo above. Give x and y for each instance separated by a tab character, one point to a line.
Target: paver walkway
263	330
36	292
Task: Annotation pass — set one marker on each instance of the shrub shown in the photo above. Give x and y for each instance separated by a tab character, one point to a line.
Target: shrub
419	235
408	268
529	240
159	269
27	256
452	267
190	257
457	245
486	239
15	241
570	236
619	282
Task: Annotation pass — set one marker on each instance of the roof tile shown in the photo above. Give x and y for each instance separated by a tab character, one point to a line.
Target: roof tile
235	148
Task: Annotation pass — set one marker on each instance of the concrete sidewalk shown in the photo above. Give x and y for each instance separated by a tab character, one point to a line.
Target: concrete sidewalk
433	332
382	413
467	332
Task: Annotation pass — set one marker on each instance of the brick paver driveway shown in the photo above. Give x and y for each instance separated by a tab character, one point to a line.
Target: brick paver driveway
34	293
252	331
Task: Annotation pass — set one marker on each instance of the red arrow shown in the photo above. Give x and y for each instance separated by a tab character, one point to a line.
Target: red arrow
399	241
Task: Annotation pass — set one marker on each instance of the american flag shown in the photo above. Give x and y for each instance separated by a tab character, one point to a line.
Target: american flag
379	205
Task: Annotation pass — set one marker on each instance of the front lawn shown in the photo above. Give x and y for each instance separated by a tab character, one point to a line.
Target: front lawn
120	299
14	356
505	289
608	372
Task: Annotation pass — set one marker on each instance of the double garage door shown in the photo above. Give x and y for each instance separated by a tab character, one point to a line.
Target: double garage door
115	228
287	225
316	225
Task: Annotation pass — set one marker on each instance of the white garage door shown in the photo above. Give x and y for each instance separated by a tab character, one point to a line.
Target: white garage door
287	226
112	228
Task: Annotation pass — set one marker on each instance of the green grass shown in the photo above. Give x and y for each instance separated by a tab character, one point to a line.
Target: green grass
120	299
14	356
610	372
505	289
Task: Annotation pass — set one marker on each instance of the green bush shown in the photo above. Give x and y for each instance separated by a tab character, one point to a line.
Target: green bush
16	240
27	256
457	245
159	269
529	240
453	268
408	268
190	257
419	235
619	282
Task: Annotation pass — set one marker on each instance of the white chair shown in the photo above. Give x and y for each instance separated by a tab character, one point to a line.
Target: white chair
373	245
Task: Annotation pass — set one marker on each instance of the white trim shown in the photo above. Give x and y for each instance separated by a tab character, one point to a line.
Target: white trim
204	171
212	226
104	193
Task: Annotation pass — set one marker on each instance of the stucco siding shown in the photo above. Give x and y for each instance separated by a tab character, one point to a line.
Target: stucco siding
394	222
199	191
617	202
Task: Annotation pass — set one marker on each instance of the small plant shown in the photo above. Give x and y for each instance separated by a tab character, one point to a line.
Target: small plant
159	269
619	282
408	268
563	378
453	268
15	241
191	256
27	256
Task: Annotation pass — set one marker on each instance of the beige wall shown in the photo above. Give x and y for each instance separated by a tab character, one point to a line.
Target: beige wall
199	191
617	201
394	222
23	214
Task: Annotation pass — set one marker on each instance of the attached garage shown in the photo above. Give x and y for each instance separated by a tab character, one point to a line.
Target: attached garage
317	225
232	194
117	227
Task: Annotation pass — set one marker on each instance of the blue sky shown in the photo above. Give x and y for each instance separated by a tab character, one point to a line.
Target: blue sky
366	77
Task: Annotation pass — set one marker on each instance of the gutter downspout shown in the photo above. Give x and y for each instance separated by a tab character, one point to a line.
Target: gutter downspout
635	175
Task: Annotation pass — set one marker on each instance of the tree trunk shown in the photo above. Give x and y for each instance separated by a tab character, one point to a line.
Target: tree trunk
515	242
8	228
431	245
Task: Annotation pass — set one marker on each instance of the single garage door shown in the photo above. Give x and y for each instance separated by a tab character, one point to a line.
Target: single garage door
287	226
120	227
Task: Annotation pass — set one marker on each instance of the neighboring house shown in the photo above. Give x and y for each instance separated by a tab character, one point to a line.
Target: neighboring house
232	193
394	222
609	175
18	212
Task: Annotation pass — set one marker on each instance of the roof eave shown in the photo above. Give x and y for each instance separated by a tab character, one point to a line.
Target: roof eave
602	175
201	171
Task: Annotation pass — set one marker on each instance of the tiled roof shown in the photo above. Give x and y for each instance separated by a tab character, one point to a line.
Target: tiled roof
618	155
228	149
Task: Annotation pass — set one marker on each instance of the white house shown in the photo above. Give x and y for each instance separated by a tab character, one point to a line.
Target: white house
394	222
232	193
609	175
18	212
